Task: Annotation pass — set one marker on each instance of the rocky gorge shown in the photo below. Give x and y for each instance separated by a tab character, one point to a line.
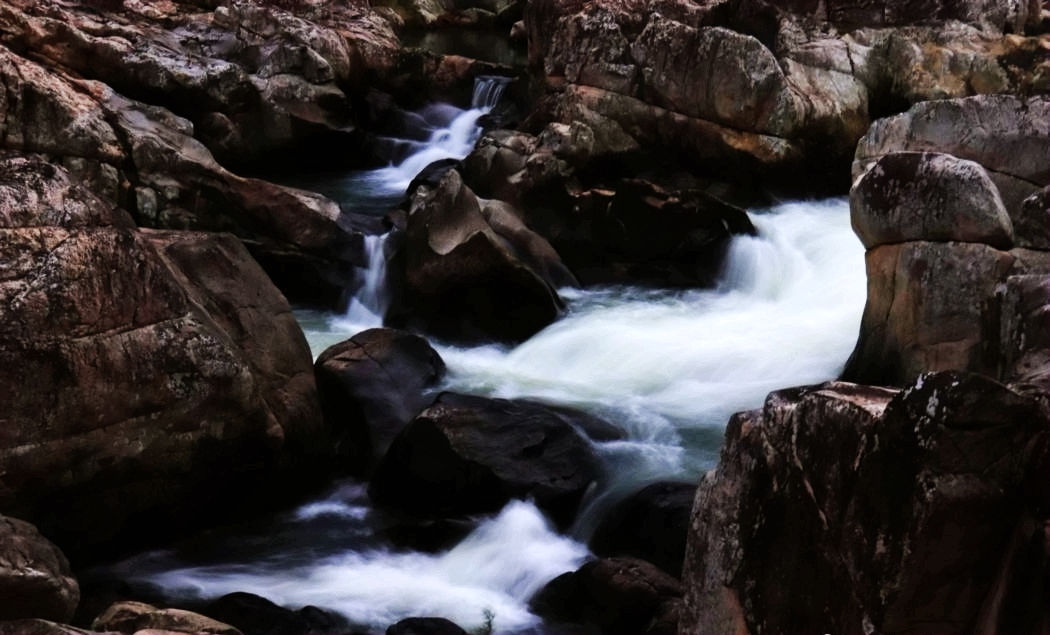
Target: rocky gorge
179	452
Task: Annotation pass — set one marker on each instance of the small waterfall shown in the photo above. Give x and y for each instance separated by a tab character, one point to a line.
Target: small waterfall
487	91
370	301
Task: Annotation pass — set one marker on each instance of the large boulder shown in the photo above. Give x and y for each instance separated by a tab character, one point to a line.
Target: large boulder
471	269
35	579
254	615
139	365
939	229
371	386
844	508
615	595
466	454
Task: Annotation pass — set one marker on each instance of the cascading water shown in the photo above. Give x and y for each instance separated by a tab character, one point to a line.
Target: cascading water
667	366
452	135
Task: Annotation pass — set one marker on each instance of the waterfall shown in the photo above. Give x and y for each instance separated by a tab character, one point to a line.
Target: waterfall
452	134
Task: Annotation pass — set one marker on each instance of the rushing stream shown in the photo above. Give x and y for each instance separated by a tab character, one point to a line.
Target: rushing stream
668	367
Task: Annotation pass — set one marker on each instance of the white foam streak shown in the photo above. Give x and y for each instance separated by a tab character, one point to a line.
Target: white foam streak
494	570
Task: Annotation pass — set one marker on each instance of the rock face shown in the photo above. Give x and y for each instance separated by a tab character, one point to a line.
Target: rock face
616	595
846	508
35	579
140	366
472	270
670	74
955	249
651	524
371	386
466	455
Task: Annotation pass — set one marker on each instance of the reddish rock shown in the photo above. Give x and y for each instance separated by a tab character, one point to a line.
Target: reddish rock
35	579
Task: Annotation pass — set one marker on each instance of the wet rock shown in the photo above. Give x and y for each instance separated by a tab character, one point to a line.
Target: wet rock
425	626
35	578
908	196
616	595
371	386
139	365
465	455
907	499
473	270
134	617
254	615
650	524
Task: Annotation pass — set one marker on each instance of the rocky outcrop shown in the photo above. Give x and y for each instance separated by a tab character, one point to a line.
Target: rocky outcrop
650	524
847	508
261	85
947	201
140	367
145	159
35	579
466	455
371	386
134	617
614	595
470	269
671	74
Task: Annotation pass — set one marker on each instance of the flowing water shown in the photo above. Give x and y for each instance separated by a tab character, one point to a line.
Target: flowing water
668	367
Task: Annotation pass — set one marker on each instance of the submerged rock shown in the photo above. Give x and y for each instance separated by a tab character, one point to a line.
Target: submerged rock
156	380
371	386
466	455
35	578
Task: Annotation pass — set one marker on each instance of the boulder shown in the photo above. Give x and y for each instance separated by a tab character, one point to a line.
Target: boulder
371	386
35	578
616	595
254	615
842	508
135	617
909	196
425	626
40	627
473	270
139	365
466	455
650	524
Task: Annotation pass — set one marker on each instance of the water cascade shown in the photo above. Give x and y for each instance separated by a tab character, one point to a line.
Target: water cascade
668	366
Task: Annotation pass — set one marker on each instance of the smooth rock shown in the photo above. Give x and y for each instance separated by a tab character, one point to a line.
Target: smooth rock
134	617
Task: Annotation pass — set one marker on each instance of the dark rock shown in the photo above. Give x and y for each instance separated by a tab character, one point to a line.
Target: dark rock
35	579
473	270
465	455
371	386
431	175
140	365
254	615
907	500
651	524
425	626
616	595
40	627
